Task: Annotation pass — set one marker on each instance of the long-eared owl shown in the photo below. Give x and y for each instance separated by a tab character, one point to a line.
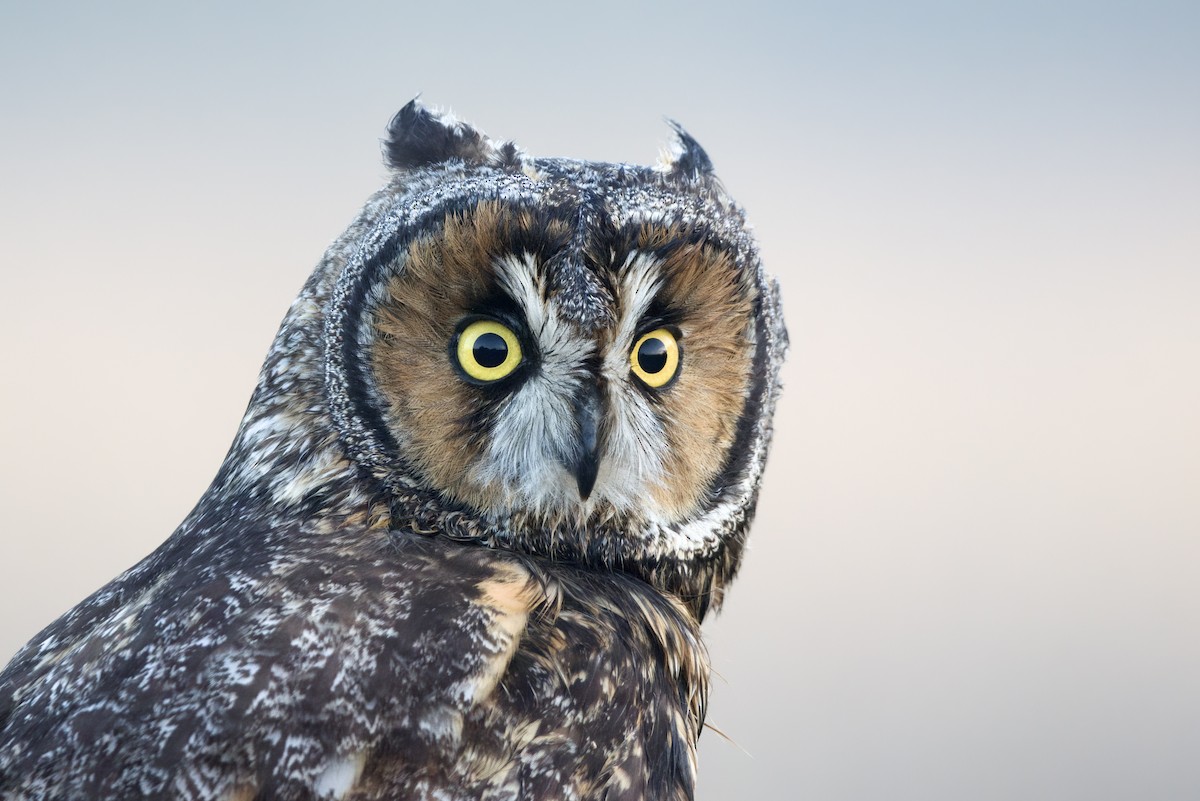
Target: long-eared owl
499	463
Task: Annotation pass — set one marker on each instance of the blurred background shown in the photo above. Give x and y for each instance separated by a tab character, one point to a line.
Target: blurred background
976	567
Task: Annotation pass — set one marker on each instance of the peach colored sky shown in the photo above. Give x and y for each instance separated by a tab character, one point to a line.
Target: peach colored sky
974	573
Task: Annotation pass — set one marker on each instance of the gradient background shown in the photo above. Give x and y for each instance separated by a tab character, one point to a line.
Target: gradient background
976	568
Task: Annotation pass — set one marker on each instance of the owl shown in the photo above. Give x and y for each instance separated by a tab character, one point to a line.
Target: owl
499	463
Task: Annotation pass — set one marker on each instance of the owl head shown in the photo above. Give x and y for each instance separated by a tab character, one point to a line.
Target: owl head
569	359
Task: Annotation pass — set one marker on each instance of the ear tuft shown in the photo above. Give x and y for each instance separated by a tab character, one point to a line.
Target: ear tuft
687	159
418	137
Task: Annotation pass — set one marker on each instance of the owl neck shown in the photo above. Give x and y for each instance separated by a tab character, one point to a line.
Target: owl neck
697	580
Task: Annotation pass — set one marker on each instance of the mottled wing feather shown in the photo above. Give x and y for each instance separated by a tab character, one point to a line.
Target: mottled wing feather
228	675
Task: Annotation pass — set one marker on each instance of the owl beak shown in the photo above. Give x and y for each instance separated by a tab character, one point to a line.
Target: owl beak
587	454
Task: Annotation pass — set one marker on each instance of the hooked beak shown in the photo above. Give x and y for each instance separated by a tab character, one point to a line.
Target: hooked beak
587	454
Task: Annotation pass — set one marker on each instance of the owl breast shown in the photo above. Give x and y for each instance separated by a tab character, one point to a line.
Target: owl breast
577	713
365	672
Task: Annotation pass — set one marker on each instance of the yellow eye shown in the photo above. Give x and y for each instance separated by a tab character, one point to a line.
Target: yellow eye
487	351
655	358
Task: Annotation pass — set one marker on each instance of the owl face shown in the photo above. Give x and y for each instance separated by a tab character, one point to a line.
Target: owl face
507	400
569	359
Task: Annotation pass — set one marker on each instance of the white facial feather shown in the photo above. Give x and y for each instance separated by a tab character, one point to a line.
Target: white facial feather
535	431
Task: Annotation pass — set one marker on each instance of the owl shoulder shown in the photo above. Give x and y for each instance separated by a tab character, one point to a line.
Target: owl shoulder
237	662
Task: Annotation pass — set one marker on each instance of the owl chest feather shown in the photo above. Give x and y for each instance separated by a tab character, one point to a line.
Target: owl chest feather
414	668
595	689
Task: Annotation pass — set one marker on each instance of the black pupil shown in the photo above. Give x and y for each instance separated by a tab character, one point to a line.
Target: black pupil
490	350
652	355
